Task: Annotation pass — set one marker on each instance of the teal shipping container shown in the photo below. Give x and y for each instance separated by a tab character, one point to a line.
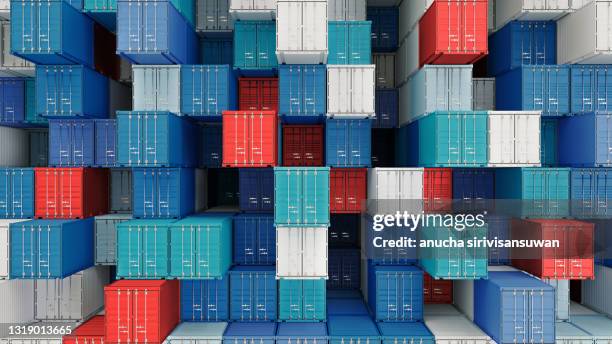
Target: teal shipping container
302	300
350	42
255	46
301	196
549	134
201	247
143	249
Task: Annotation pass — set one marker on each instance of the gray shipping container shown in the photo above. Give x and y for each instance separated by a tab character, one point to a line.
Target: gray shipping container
385	70
14	147
562	301
39	147
568	333
483	94
11	65
106	237
156	88
595	292
121	190
343	10
120	97
213	16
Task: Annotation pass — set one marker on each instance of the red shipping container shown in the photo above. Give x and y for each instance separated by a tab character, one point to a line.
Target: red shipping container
250	138
437	189
70	193
437	290
453	32
141	311
106	61
573	259
303	145
347	190
259	94
90	332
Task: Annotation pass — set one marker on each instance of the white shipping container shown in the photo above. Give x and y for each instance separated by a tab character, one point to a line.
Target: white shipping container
483	94
301	32
395	189
410	12
301	252
253	9
4	247
463	297
11	65
196	333
157	88
502	268
351	91
562	301
598	326
514	138
509	10
76	297
213	16
568	333
585	36
595	292
578	309
453	329
407	57
120	97
385	70
5	9
17	301
14	147
343	10
440	309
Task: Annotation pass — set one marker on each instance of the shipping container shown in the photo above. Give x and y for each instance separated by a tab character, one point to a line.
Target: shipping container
120	95
301	196
595	325
106	237
385	21
345	305
514	138
125	302
69	193
91	331
407	59
528	304
448	329
301	252
568	333
590	88
594	292
549	140
258	94
197	333
288	333
383	147
155	33
343	230
591	192
256	189
385	70
71	142
254	239
395	293
352	329
347	190
250	139
250	332
583	36
201	247
592	131
346	10
120	190
105	134
103	12
483	94
224	188
5	232
157	88
302	145
387	111
302	93
205	300
11	64
535	88
348	142
522	43
163	192
302	31
395	189
411	13
213	17
138	255
217	51
38	142
207	90
463	297
350	43
105	59
344	269
437	188
211	141
562	298
526	10
252	9
254	46
385	255
350	91
498	226
17	103
415	332
68	91
50	249
17	301
301	300
473	186
16	193
253	293
437	290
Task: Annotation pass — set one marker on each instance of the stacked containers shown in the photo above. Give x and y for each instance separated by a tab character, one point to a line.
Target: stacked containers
302	32
17	103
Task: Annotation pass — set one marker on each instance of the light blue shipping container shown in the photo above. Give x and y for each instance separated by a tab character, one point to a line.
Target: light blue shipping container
253	293
255	46
348	142
414	332
163	192
201	247
350	42
106	142
71	142
155	139
16	193
302	92
205	300
301	196
254	239
68	91
395	293
591	88
208	90
344	329
585	140
289	333
50	249
301	300
591	193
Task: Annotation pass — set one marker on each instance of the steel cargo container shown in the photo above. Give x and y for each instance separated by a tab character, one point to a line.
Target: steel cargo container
598	327
347	190
384	255
535	88
344	269
250	332
448	329
258	94
463	297
348	142
105	59
522	43
303	91
340	305
514	138
67	91
528	306
154	33
595	292
71	142
38	142
549	141
17	301
254	44
201	247
11	64
16	193
343	230
250	139
120	190
207	90
483	94
437	188
205	300
125	319
346	10
524	10
437	291
156	88
562	298
91	330
302	145
5	232
591	192
407	60
568	333
350	43
387	110
385	70
301	196
498	226
301	252
51	32
253	293
411	12
350	91
105	142
106	237
301	300
385	21
473	185
583	36
197	333
14	147
254	239
288	333
393	189
252	9
213	16
163	192
69	193
211	140
352	329
384	147
302	31
591	88
415	332
217	51
256	189
584	140
17	103
50	249
395	293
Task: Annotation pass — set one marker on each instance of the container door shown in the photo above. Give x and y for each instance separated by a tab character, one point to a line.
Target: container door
264	300
314	26
339	36
541	317
362	90
6	196
474	24
355	191
291	295
13	100
450	134
146	315
155	26
527	139
603	125
338	190
289	197
359	43
131	34
235	139
150	145
315	192
266	46
474	260
314	252
145	196
603	39
246	51
208	252
451	26
129	251
266	192
168	191
501	139
245	241
49	252
515	313
145	80
106	241
82	139
4	250
337	144
296	86
155	251
358	152
262	139
314	306
69	291
48	19
289	244
534	89
243	290
106	137
603	89
474	139
312	146
49	80
71	193
266	241
339	81
290	22
24	242
70	91
119	315
167	88
603	192
398	296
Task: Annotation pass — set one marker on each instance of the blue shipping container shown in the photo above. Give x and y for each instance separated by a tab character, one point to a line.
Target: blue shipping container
301	300
143	249
255	46
344	268
256	189
498	227
415	332
50	249
302	92
71	142
254	239
350	42
18	103
348	142
591	88
473	184
549	138
514	307
211	140
289	333
385	28
16	193
253	293
584	140
217	51
154	32
205	300
395	293
344	329
163	192
250	332
522	43
387	109
208	90
106	142
51	32
591	192
346	306
301	196
385	255
68	91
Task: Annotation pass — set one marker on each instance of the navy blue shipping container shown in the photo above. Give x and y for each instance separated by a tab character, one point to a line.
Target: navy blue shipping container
211	140
383	147
16	193
498	226
154	32
343	329
217	51
18	103
256	189
522	43
291	333
416	332
163	192
343	294
39	147
68	91
385	28
106	142
346	306
253	293
473	188
208	90
591	88
584	140
50	249
406	145
387	109
343	230
348	142
344	268
254	239
591	192
250	332
387	255
302	92
51	32
71	142
395	293
205	300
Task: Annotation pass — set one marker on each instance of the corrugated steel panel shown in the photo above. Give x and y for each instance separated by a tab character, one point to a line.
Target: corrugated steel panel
91	330
593	131
395	293
385	70
352	329
213	16
17	103
350	91
587	30
346	10
301	196
207	90
14	147
257	332
347	190
394	189
350	43
5	232
163	192
344	269
348	142
256	189
483	94
258	94
450	328
302	29
71	143
250	138
254	45
205	300
591	88
303	91
11	64
391	333
302	145
16	193
217	51
301	253
562	298
253	293
549	140
301	300
385	21
253	9
254	239
568	333
522	10
156	88
594	292
288	333
514	138
18	302
211	333
106	142
591	192
106	237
